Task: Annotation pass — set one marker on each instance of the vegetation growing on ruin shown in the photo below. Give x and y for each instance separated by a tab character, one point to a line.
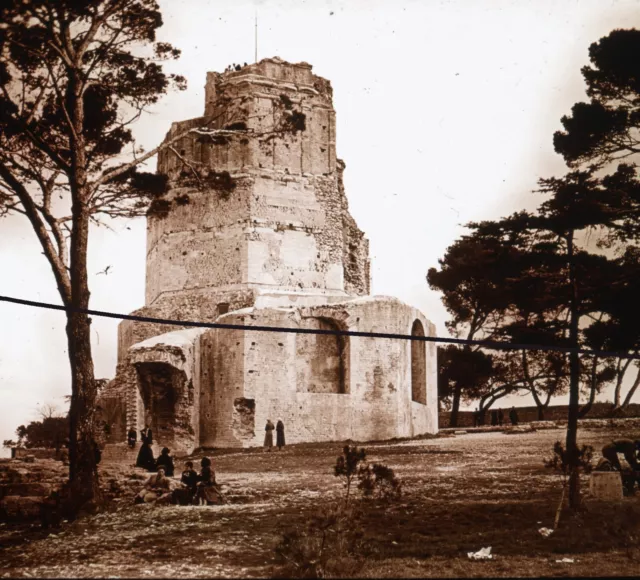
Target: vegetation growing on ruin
159	208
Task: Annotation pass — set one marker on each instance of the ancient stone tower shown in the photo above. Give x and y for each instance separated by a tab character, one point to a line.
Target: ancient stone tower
255	230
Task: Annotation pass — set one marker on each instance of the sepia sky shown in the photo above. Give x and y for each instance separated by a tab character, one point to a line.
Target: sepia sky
445	114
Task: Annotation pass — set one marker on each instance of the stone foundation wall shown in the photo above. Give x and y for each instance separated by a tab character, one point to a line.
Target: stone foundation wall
259	376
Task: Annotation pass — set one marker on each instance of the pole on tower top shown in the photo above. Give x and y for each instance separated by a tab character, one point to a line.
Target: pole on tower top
256	35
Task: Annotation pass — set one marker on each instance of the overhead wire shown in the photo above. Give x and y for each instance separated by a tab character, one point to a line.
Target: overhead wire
492	344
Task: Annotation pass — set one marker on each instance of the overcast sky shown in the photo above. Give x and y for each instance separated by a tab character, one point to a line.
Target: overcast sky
445	114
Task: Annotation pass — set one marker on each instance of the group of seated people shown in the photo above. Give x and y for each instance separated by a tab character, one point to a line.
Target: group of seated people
194	489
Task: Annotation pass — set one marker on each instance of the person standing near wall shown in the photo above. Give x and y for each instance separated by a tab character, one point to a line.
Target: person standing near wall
500	417
280	434
145	455
132	438
268	437
513	416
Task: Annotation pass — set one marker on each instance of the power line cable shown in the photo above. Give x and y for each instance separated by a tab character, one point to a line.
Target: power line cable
493	344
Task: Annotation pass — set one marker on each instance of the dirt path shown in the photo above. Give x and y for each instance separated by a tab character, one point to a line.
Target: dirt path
460	494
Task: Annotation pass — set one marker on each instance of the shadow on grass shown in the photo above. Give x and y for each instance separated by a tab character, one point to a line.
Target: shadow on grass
510	528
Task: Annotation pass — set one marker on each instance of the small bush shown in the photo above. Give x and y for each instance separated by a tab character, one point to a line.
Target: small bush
329	545
560	459
295	121
348	465
380	482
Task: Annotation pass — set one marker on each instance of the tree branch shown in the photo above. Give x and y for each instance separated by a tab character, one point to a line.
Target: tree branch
31	211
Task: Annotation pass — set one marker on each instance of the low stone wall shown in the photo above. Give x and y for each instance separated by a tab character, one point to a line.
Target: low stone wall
540	425
23	452
24	485
530	414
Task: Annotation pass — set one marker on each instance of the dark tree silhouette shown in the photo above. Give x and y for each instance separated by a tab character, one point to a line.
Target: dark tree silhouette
605	129
72	82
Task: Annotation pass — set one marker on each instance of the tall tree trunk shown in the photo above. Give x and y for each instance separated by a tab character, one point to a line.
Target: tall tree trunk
632	390
455	406
592	390
619	378
83	473
574	383
82	446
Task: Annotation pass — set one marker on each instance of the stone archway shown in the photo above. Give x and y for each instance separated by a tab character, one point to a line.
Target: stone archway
167	405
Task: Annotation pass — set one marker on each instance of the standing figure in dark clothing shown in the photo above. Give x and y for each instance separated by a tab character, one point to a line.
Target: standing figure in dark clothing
145	455
513	416
476	417
207	492
132	437
628	448
165	460
268	437
494	417
280	434
500	417
146	435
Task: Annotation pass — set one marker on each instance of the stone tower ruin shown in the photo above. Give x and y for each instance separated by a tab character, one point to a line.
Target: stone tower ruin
255	230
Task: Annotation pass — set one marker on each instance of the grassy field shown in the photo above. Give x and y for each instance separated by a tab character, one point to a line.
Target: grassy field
460	494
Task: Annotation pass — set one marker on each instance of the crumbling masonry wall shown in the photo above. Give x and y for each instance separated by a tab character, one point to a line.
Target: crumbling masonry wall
169	387
264	368
283	220
255	228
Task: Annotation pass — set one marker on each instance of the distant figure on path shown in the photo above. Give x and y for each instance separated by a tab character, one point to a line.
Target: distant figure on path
513	416
280	434
145	455
628	448
165	460
494	417
476	417
500	417
268	438
132	438
156	489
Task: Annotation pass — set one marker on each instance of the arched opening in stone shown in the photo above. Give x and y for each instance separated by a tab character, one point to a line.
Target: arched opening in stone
322	359
418	365
163	389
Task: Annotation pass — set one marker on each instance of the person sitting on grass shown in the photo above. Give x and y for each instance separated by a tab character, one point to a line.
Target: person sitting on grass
156	489
166	461
189	481
207	492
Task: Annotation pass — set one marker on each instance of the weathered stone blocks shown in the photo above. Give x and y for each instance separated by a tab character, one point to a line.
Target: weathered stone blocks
256	231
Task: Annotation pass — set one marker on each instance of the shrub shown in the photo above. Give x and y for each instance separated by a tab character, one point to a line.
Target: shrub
380	482
560	463
328	545
348	465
